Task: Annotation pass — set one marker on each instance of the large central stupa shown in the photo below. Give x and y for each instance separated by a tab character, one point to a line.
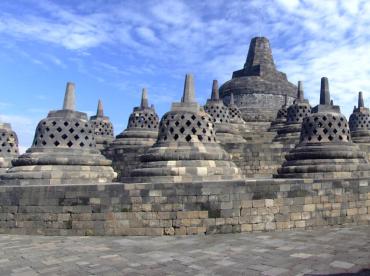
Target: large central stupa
259	88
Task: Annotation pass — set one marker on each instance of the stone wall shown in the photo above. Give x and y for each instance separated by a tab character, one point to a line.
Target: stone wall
183	208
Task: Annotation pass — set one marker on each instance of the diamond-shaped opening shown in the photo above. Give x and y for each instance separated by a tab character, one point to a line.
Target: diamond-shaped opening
66	123
71	130
59	129
193	117
188	138
324	118
56	143
64	136
199	124
176	123
70	144
182	117
47	128
343	131
82	130
334	118
325	130
171	129
53	123
315	119
335	130
165	138
182	130
193	130
43	142
81	144
204	130
319	138
319	124
339	124
52	136
330	124
77	124
330	138
188	123
314	131
176	136
341	118
340	137
200	137
76	137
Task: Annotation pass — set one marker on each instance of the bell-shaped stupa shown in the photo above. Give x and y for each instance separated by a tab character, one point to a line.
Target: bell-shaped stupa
300	109
186	149
281	117
225	131
259	88
140	134
359	122
325	150
63	151
8	146
103	128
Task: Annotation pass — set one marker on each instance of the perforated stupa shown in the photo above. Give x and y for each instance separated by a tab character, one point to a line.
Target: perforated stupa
103	128
225	131
186	148
281	117
325	149
359	122
300	109
63	151
141	133
8	146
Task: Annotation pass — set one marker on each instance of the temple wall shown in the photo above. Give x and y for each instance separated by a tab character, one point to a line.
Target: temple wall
183	208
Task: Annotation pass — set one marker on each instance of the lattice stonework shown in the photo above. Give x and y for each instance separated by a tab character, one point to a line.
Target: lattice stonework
327	128
297	112
186	127
8	142
143	119
218	111
282	113
102	128
73	133
235	113
359	121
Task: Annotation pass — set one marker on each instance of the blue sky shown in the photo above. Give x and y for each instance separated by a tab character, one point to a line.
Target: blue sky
111	49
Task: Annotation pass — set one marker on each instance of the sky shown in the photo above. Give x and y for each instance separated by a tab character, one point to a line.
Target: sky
112	49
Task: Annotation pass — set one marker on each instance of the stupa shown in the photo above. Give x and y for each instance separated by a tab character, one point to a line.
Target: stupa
300	109
103	128
259	88
325	150
63	151
8	146
236	117
225	131
359	122
141	133
186	149
281	117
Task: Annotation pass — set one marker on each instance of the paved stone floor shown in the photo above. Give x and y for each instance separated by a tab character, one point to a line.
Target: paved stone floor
327	251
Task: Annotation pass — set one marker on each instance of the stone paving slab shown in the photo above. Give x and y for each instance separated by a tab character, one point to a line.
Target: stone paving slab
326	251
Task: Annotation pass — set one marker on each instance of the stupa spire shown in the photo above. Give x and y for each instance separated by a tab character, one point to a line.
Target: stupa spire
286	100
215	95
69	97
300	91
144	98
259	54
189	91
232	102
360	100
324	91
100	111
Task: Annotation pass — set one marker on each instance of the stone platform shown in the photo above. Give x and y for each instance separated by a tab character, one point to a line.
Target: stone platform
326	251
183	208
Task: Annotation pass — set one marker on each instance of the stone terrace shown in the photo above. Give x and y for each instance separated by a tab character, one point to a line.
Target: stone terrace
326	251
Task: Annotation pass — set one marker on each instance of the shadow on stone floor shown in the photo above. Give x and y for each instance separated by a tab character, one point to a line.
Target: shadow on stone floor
362	272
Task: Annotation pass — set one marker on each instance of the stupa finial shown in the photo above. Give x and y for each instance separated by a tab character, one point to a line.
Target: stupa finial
360	100
100	111
215	95
232	102
144	98
69	97
189	91
286	100
300	91
324	91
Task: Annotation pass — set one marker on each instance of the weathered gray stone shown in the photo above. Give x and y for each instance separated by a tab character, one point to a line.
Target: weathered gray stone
63	152
8	146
